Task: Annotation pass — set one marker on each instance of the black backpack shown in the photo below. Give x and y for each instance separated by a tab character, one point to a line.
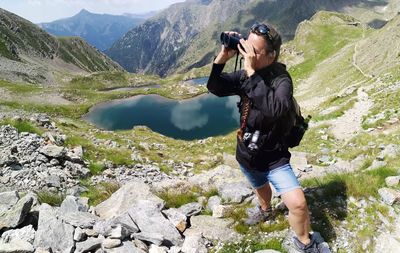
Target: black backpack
298	125
298	128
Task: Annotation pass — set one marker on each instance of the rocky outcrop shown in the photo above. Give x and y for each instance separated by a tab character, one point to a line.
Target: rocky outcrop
32	162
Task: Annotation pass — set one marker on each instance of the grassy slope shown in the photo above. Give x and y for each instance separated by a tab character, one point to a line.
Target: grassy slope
326	69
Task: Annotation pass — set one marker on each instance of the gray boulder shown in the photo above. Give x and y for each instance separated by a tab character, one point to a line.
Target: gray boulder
16	214
7	200
127	247
392	181
194	244
52	232
148	217
234	192
91	244
154	238
26	234
104	227
191	209
212	228
125	197
389	196
213	201
267	251
177	218
16	246
74	204
217	177
79	219
53	151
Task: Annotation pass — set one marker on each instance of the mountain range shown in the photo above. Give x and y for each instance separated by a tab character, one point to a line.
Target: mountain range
99	30
185	35
30	54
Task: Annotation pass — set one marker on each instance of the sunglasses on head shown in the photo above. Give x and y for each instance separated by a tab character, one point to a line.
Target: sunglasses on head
263	30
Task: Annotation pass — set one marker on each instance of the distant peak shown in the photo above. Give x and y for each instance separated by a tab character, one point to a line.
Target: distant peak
83	11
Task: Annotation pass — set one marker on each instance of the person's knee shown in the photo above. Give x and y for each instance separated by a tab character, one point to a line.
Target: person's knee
298	206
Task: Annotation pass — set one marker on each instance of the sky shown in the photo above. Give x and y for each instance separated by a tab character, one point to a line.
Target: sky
38	11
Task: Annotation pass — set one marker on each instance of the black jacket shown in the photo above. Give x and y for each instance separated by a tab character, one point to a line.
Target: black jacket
270	91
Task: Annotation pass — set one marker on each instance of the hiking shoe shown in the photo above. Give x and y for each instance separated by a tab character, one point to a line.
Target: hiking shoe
312	247
256	215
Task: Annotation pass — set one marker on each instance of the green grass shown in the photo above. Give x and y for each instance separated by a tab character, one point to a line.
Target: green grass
252	244
335	38
23	126
176	200
329	206
53	199
19	88
96	168
99	193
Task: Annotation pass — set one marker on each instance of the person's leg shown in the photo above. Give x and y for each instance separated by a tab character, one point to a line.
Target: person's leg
264	195
286	184
299	218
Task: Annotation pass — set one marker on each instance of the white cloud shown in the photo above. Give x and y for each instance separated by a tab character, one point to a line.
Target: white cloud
187	115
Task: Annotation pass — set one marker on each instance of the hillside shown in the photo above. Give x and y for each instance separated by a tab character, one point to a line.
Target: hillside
99	30
158	43
196	49
28	52
138	190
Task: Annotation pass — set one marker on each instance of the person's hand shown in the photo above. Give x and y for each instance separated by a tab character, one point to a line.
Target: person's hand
225	54
249	56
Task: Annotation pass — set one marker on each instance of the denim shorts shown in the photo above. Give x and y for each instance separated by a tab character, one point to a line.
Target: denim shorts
282	178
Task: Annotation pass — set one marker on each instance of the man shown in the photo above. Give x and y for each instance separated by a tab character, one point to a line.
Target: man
266	91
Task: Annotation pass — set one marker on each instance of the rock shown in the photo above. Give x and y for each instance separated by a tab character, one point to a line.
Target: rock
79	235
392	181
376	164
91	244
267	251
191	209
52	232
175	249
53	151
76	170
16	246
127	247
213	201
194	244
148	217
212	228
126	222
118	232
156	249
177	218
391	151
7	200
155	238
79	219
126	196
16	214
26	234
111	243
389	196
234	192
217	177
75	155
221	211
74	204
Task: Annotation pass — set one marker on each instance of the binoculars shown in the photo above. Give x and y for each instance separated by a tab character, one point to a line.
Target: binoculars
231	41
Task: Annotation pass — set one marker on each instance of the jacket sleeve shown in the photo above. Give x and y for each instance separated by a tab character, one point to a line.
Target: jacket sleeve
223	84
270	103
